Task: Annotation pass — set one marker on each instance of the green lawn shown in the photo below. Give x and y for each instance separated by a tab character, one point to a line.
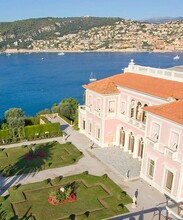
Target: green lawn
97	198
13	161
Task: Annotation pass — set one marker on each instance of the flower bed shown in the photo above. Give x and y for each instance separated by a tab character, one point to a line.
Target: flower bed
71	199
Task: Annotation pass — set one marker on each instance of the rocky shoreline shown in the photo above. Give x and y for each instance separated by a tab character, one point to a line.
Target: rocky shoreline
9	51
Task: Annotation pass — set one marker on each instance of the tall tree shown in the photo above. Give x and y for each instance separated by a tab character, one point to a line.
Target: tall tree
15	120
68	107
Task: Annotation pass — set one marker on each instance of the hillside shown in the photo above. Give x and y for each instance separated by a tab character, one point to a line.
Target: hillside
26	31
91	33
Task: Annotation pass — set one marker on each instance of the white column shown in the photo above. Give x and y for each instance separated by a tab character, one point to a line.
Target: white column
136	148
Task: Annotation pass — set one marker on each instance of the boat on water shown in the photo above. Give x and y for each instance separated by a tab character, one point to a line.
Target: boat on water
176	57
92	77
61	54
8	54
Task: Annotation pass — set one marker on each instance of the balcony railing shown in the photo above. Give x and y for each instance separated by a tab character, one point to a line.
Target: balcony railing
82	109
170	153
151	143
97	112
175	212
156	72
136	123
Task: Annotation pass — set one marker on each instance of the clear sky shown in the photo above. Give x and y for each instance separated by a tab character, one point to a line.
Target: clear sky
11	10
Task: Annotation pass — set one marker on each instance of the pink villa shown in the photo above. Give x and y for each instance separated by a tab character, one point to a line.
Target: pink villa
141	111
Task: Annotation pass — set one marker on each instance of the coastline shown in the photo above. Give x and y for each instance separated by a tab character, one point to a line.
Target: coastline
9	51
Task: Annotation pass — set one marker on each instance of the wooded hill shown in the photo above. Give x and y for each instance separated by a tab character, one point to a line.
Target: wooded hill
47	28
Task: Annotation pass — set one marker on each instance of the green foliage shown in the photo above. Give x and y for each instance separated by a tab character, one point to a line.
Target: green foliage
4	135
43	112
3	213
44	119
14	113
45	28
4	126
15	121
15	187
68	108
57	179
31	132
2	199
43	130
46	181
55	108
96	199
63	193
18	161
32	120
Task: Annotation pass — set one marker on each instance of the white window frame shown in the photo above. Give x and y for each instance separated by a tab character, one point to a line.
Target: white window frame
132	106
98	104
165	182
114	106
148	167
164	179
154	136
123	108
89	127
98	132
172	145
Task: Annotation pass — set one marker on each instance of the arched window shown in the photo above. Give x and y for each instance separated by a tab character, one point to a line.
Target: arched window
132	109
122	137
141	148
131	142
144	115
139	112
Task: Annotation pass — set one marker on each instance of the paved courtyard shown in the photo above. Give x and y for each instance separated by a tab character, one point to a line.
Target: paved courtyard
117	159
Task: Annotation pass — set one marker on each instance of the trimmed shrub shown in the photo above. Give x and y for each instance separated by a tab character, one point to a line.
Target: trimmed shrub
72	217
4	135
15	187
57	179
87	213
46	181
105	176
2	199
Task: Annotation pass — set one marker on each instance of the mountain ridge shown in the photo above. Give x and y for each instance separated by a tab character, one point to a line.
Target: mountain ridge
161	19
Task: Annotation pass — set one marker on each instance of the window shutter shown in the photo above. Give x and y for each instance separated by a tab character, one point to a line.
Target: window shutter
174	140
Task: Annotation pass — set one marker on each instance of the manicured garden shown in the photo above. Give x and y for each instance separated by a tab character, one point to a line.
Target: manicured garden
96	198
37	157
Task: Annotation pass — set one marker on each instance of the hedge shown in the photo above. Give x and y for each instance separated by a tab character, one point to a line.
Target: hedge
44	119
49	129
69	121
33	132
4	134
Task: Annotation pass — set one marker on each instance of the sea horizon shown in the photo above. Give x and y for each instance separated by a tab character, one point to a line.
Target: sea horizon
36	81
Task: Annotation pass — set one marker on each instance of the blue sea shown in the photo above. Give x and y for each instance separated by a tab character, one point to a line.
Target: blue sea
36	81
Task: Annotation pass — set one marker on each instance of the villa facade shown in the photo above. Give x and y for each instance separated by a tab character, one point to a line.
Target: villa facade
141	111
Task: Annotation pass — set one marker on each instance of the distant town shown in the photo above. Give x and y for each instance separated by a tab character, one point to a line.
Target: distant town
121	35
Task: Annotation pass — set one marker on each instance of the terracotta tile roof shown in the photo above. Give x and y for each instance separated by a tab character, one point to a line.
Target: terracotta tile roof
105	86
172	111
150	85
